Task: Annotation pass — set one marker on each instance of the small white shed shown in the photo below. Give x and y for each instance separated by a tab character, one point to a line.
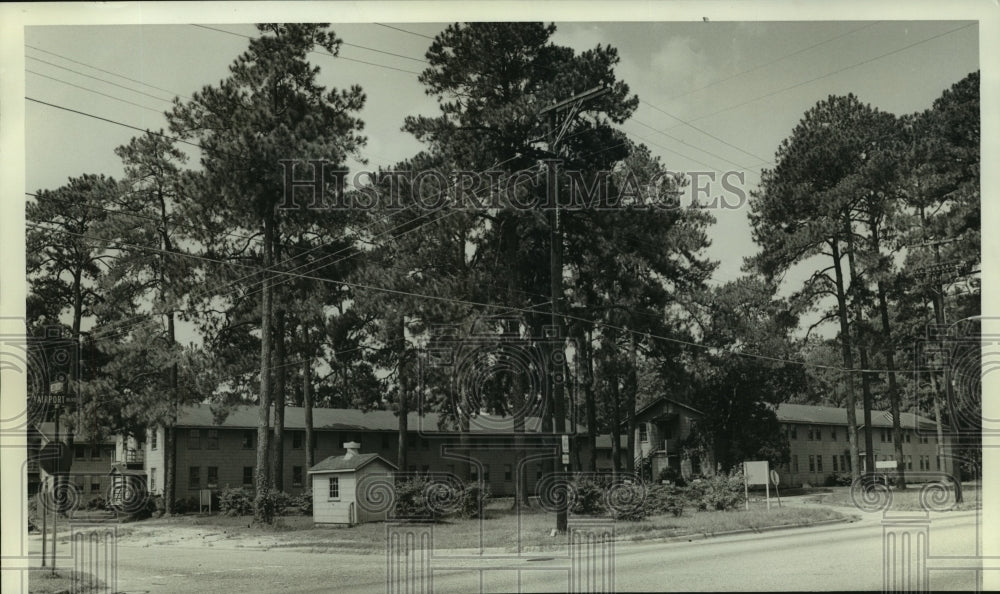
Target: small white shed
334	486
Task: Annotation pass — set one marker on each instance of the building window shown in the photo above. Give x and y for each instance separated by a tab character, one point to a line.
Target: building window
194	439
247	442
795	463
812	463
296	476
843	463
909	462
297	440
109	453
334	492
152	479
938	462
889	432
95	452
882	435
833	434
194	477
385	441
95	485
508	472
907	437
835	463
473	472
809	434
212	439
819	463
794	432
213	477
247	476
425	444
79	452
152	439
643	433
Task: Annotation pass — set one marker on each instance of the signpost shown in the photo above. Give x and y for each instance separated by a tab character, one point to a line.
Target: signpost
756	473
775	478
885	465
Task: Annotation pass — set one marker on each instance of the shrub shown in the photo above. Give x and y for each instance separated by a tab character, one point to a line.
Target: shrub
411	500
236	502
673	476
97	503
588	495
838	479
719	492
303	504
665	499
470	498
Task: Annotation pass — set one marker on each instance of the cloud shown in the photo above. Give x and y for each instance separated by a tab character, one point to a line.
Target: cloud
679	66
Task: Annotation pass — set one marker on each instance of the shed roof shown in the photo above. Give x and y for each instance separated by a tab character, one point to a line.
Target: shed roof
349	464
119	468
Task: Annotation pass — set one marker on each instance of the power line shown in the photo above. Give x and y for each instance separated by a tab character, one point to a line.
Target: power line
122	76
706	133
404	31
59	80
115	122
488	305
775	61
829	74
327	54
77	72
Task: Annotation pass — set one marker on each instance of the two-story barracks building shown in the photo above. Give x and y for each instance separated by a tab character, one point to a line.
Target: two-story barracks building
819	446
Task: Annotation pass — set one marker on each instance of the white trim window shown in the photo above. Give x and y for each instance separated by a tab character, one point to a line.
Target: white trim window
333	494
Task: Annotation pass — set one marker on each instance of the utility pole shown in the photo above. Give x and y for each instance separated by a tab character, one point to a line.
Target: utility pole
560	115
937	302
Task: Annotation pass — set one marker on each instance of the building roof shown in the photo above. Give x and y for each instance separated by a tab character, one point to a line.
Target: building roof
828	415
349	464
342	419
664	399
119	468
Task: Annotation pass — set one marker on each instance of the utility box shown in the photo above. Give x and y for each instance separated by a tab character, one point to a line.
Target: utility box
334	485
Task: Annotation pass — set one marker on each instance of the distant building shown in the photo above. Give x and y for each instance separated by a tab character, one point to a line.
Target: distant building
819	446
817	438
215	455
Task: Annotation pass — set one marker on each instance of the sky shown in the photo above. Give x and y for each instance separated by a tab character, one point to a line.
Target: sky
715	96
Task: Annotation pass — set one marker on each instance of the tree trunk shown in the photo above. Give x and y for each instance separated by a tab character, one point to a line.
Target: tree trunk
866	391
307	398
632	386
588	390
280	375
940	319
261	512
845	345
169	434
404	408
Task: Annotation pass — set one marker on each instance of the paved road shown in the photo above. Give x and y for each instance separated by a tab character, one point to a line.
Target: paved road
842	556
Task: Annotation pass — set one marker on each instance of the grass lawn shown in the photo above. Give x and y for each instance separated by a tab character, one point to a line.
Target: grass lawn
41	580
501	528
910	499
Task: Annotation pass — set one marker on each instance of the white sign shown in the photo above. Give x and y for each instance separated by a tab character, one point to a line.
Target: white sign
565	459
756	472
775	478
565	443
885	465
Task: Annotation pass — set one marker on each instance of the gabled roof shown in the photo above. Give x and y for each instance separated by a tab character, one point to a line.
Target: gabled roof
662	399
349	464
342	419
828	415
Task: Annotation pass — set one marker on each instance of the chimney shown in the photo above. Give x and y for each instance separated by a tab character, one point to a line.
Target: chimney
353	449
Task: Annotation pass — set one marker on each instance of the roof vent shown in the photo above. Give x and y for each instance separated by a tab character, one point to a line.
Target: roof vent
353	449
